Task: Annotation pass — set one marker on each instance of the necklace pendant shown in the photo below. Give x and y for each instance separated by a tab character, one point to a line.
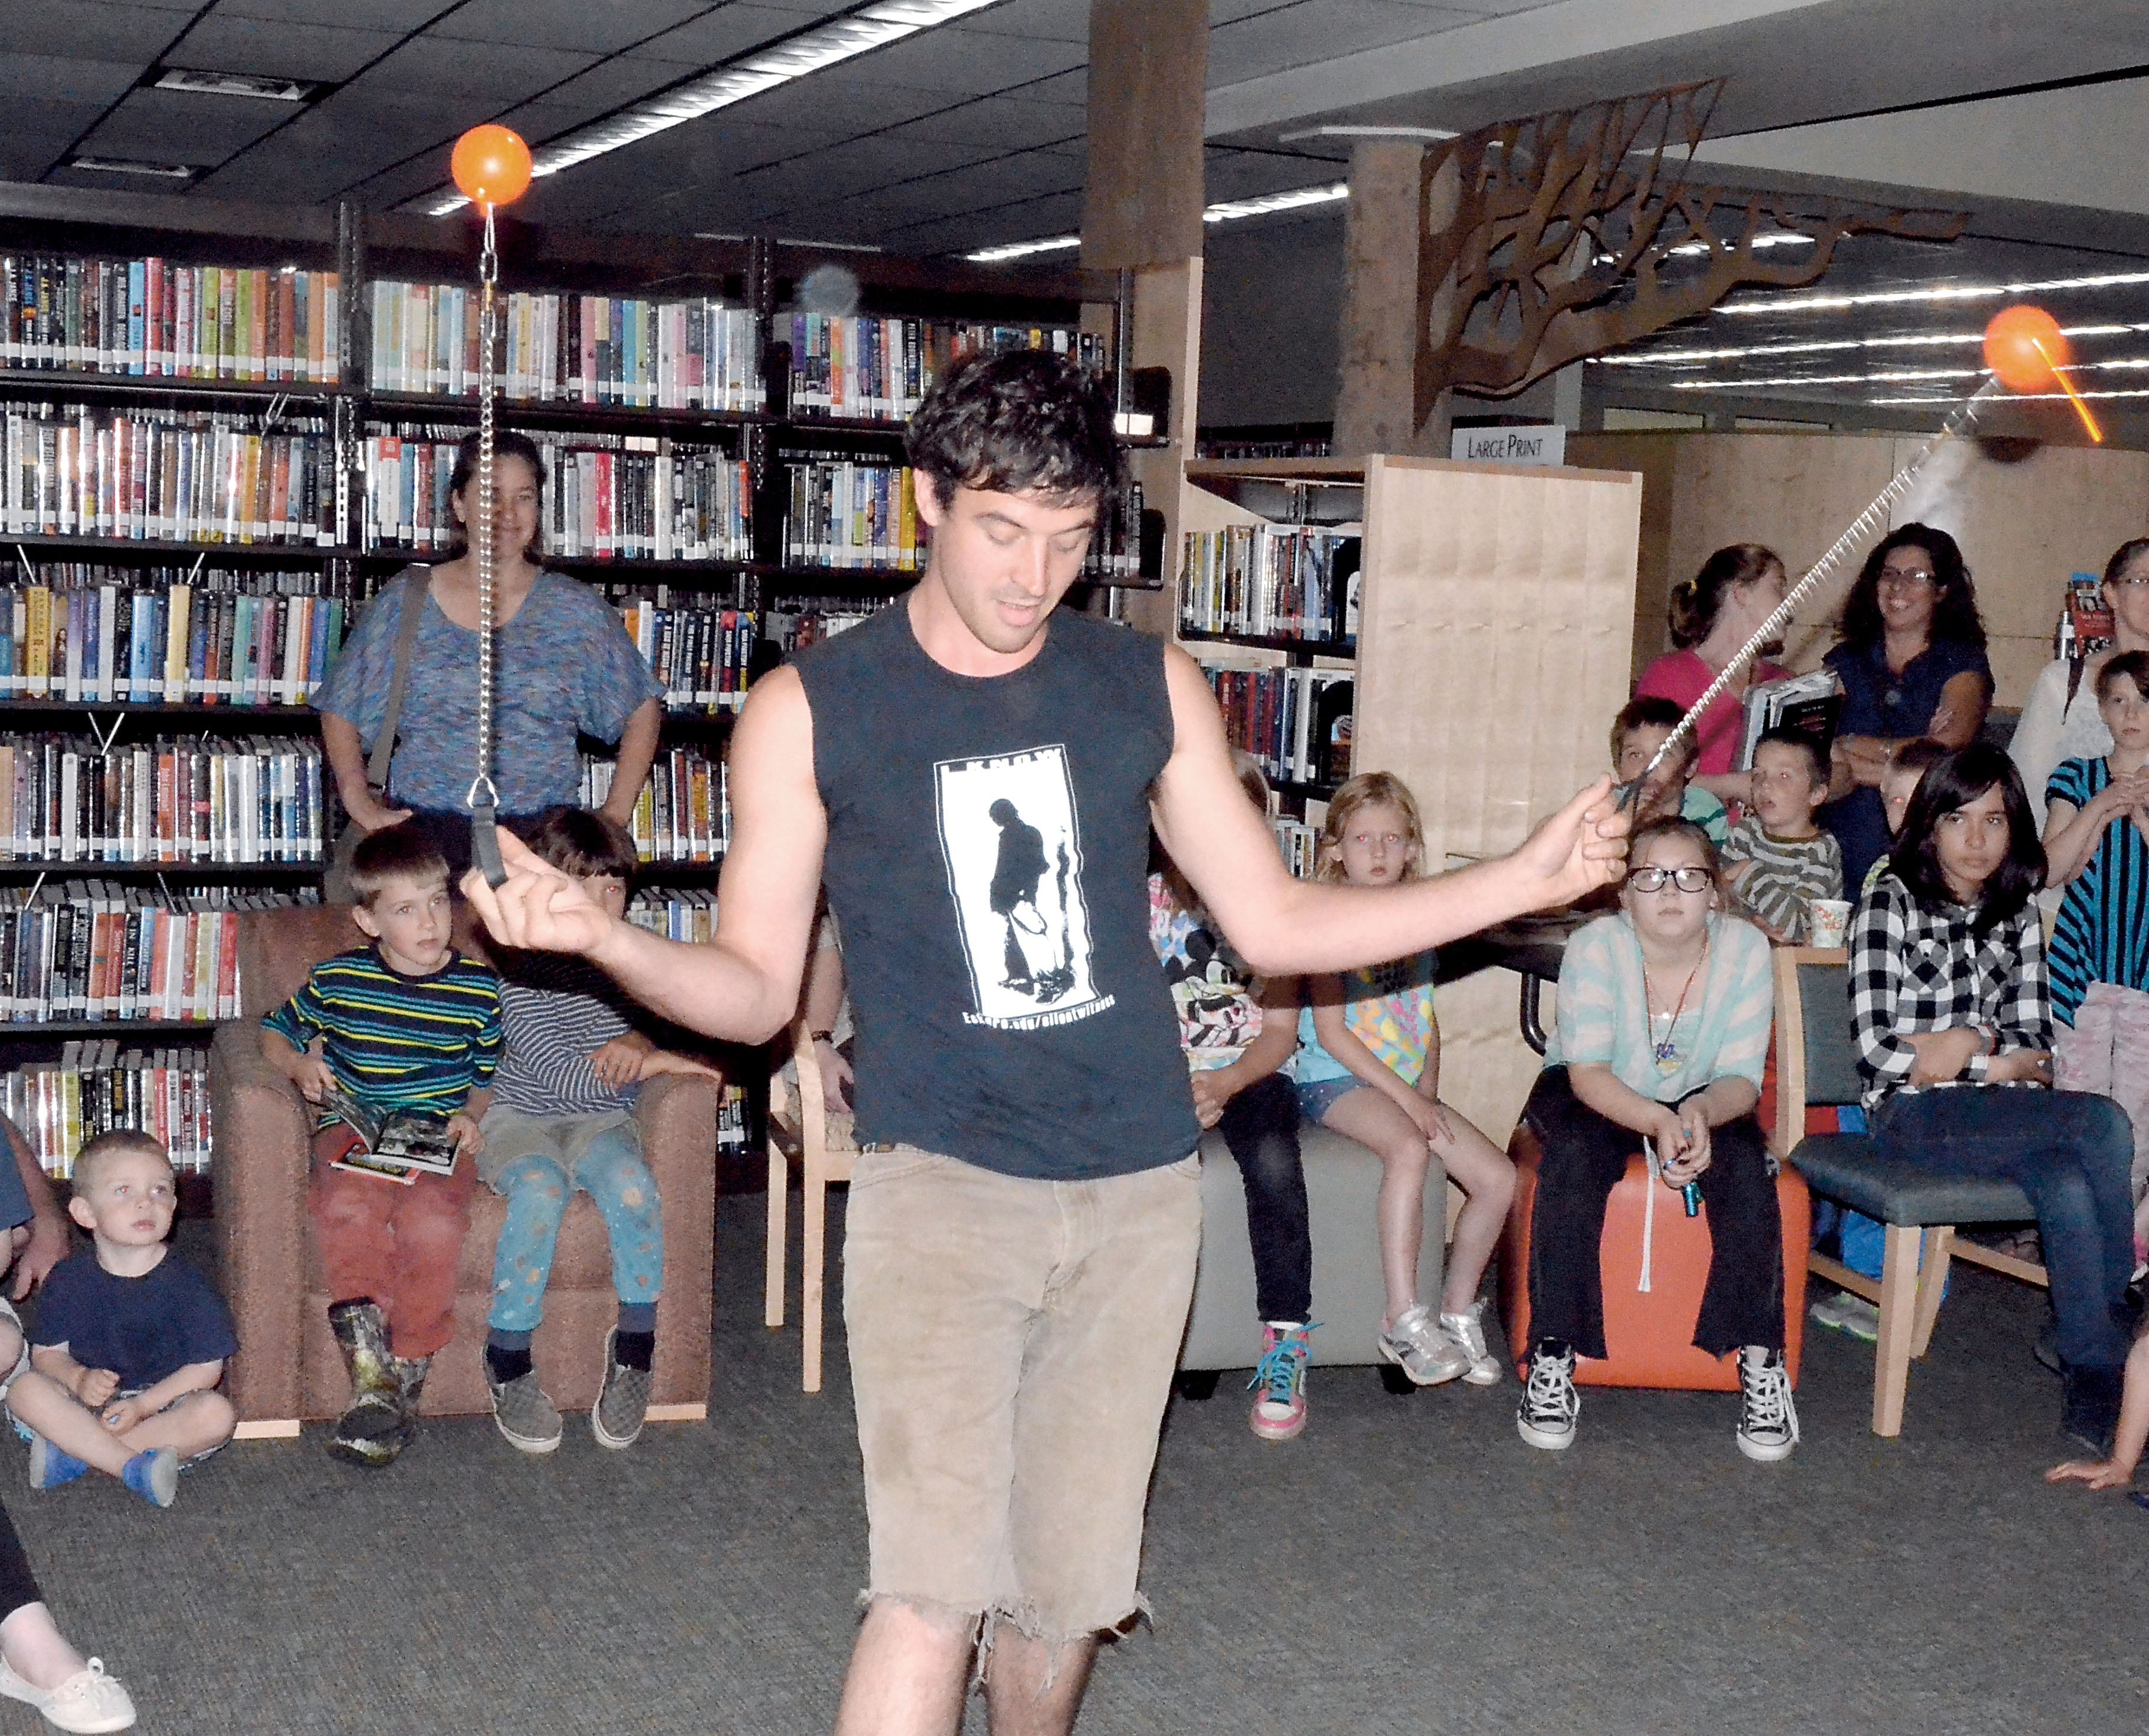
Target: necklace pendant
1668	1057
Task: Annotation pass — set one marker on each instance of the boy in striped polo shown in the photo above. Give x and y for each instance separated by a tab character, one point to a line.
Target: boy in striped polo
562	1118
406	1023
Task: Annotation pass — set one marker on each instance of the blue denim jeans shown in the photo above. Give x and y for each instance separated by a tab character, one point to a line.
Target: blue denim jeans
535	1162
2071	1154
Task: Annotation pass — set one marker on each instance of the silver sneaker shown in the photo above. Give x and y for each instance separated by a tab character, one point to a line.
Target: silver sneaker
1416	1345
522	1413
1550	1405
1768	1418
1467	1330
616	1418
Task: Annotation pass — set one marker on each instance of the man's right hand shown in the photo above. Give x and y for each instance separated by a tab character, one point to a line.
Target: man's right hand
536	906
1576	850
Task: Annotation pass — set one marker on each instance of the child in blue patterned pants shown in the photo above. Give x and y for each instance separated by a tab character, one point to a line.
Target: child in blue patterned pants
562	1118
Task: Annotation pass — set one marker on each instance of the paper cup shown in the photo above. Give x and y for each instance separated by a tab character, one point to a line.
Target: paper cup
1831	922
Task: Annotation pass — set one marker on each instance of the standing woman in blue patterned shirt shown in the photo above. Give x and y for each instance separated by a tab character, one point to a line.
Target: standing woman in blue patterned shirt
1953	1017
563	666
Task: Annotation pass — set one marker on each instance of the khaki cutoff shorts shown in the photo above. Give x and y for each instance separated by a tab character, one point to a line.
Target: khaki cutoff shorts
1011	1345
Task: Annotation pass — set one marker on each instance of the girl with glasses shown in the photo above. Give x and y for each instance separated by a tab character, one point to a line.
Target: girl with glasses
1664	1011
1953	1017
1912	663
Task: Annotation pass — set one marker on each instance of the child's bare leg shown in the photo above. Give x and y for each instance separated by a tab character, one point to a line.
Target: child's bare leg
194	1425
70	1425
11	1344
1367	1116
1488	1180
35	1649
2127	1439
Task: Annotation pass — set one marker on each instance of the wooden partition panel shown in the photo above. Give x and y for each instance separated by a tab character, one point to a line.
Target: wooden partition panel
1495	636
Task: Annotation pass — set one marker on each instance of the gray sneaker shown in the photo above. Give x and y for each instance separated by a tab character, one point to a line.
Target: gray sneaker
522	1413
1416	1345
1767	1417
616	1418
1467	1330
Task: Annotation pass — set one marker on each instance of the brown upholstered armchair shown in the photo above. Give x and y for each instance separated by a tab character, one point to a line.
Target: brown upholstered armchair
288	1367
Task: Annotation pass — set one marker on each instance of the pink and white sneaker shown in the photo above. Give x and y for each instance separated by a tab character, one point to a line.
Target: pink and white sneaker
1279	1414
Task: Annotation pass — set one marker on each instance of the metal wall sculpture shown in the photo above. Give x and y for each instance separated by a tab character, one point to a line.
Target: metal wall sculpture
1567	234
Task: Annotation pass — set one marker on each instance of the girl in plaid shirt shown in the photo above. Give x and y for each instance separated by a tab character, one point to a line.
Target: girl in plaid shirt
1953	1017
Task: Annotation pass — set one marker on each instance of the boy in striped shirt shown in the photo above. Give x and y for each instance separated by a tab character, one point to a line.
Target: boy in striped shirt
562	1118
406	1023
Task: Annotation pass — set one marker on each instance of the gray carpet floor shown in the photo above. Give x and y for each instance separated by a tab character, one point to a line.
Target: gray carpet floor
1407	1566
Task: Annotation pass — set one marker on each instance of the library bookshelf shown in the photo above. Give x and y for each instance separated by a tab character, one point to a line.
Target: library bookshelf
227	425
1486	652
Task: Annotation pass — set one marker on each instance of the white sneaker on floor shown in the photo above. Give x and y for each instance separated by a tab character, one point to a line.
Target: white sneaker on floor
1768	1418
1416	1345
1467	1330
88	1701
1546	1417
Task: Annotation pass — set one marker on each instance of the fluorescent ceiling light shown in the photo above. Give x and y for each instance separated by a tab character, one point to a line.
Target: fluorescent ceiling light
1434	133
122	166
234	84
1228	210
810	50
1755	385
1951	292
1908	340
2055	397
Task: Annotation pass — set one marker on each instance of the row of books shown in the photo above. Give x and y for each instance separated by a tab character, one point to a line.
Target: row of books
156	316
809	620
1299	843
1278	581
172	635
677	912
852	515
93	950
95	1087
682	813
608	497
1295	721
179	800
703	655
164	475
681	355
865	368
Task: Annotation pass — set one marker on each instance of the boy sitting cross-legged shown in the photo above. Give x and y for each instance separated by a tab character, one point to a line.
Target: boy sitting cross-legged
562	1118
406	1023
130	1343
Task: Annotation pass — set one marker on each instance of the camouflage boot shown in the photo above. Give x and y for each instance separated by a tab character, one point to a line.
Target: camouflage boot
374	1429
410	1372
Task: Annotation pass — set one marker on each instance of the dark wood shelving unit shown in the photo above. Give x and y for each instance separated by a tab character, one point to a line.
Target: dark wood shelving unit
150	550
145	708
1277	642
222	873
82	382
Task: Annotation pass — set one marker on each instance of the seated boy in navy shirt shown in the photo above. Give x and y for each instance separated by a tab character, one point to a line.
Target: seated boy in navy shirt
130	1343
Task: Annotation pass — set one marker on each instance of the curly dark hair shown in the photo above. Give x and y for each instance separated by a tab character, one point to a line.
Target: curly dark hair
1954	780
1955	612
506	443
1019	422
1696	603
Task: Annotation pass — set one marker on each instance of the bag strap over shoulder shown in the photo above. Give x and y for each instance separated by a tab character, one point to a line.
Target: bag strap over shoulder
417	582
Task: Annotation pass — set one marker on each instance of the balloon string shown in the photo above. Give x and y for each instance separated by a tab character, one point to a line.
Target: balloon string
2067	385
483	796
1870	520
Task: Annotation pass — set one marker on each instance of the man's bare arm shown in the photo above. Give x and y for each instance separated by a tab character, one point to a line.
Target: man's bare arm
1282	926
742	986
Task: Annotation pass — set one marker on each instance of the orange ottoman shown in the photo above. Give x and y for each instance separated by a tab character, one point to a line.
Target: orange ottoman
1650	1333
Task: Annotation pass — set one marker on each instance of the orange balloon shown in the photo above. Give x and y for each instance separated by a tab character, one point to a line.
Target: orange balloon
2023	345
491	165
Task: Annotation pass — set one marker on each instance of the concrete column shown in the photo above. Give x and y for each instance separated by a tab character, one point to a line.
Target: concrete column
1142	198
1374	407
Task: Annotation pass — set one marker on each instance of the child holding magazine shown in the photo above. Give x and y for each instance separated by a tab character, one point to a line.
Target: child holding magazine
1368	1066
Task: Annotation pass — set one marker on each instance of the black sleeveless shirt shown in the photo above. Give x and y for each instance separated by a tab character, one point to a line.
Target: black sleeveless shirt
987	858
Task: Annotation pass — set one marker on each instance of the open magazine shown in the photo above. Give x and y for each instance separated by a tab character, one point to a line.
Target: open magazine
398	1145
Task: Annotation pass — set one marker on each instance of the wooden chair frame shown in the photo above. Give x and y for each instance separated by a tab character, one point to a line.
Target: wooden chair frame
1915	1258
798	1127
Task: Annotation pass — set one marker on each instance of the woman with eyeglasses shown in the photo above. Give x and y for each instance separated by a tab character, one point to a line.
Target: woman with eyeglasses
1663	1020
1952	1012
2061	720
1912	663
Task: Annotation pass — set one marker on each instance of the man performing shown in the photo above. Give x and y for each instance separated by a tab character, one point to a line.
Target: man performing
1026	1210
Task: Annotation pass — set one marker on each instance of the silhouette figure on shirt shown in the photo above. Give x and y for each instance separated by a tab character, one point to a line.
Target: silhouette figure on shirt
1034	965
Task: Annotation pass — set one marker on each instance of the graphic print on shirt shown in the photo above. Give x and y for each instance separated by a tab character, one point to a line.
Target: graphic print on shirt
1013	848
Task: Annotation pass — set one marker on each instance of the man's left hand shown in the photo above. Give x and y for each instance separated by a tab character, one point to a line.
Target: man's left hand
46	1248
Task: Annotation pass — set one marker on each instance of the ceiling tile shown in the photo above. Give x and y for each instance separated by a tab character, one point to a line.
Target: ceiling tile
279	48
55	79
352	14
66	27
970	61
604	28
608	85
486	77
860	103
38	133
1314	30
722	34
1057	21
176	126
999	122
1070	89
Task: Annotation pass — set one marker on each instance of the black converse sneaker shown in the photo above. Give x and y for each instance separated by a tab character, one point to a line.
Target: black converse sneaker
1768	1419
1550	1404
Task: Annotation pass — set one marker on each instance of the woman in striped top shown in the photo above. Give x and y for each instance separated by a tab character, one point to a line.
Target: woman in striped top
2096	811
1953	1019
